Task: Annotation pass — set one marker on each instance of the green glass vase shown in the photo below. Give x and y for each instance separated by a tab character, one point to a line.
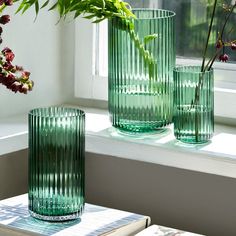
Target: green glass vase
140	78
193	104
56	163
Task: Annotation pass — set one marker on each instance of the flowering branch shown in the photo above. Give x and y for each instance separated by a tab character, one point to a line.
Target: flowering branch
14	77
208	36
221	43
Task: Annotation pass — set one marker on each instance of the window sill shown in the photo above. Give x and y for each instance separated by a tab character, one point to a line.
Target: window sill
13	134
216	157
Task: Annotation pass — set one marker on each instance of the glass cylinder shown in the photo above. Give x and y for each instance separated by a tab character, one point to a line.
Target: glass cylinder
193	104
56	163
140	77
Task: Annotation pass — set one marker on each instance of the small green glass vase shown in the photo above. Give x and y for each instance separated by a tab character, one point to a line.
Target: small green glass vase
140	93
193	104
56	163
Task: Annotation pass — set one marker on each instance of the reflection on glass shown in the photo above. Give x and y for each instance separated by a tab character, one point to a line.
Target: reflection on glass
140	101
192	20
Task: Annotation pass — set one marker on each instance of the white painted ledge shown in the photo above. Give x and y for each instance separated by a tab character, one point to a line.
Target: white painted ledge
13	134
216	157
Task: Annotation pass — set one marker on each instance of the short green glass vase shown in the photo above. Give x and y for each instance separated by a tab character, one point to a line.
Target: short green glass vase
140	76
56	163
193	104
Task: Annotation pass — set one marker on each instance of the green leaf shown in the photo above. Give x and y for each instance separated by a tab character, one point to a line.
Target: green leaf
2	8
21	6
103	4
126	10
117	4
45	4
77	13
53	6
98	20
149	38
26	7
90	16
67	6
61	7
36	4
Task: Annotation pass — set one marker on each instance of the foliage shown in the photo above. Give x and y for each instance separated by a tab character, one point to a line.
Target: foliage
99	10
12	76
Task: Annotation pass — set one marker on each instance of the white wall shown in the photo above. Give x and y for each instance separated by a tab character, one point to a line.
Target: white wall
13	174
37	46
188	200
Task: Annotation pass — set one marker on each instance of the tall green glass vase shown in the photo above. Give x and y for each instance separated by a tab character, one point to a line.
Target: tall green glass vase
140	78
193	104
56	163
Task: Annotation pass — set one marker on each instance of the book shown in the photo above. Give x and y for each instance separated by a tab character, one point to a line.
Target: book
95	221
155	230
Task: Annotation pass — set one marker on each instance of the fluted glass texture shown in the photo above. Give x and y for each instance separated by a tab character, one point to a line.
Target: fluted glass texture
56	163
193	104
141	94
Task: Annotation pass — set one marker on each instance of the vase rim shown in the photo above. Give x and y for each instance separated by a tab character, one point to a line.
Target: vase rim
56	112
189	69
171	13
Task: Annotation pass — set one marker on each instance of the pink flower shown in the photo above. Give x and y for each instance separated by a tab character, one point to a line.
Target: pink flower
4	19
25	74
1	77
11	77
8	66
19	68
233	46
24	89
6	49
8	2
9	56
8	80
16	86
223	57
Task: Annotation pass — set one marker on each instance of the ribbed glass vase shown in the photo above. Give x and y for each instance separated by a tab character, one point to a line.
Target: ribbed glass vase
193	104
56	163
140	78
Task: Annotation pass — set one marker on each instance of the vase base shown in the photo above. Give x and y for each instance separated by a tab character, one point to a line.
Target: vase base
131	128
69	217
132	132
193	140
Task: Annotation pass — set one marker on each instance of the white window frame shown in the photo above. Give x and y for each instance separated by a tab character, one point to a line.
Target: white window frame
90	86
87	84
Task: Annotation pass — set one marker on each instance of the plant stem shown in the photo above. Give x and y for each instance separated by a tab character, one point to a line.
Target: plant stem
148	58
212	60
226	20
196	101
128	26
208	36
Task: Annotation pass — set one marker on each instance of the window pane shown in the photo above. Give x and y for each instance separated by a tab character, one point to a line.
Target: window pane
101	49
192	20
